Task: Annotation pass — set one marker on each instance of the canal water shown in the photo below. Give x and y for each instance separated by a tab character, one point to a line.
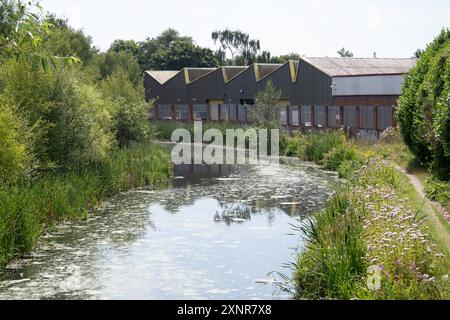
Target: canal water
216	233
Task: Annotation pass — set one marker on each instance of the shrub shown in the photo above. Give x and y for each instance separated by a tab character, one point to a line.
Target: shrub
15	160
438	191
424	107
317	144
334	158
129	112
369	222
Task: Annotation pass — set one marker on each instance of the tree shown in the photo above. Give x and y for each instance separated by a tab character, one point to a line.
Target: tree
64	41
129	46
23	29
345	53
121	61
129	112
183	54
237	42
424	107
418	53
265	113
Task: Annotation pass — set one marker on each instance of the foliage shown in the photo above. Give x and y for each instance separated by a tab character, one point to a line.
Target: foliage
118	62
317	145
338	155
15	161
168	51
438	191
68	121
64	41
130	114
370	222
345	53
27	210
237	42
23	29
264	113
424	107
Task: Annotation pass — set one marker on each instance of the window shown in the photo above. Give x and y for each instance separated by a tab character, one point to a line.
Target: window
306	116
319	115
334	116
366	116
165	112
349	117
283	115
200	112
241	113
181	112
294	116
224	112
385	117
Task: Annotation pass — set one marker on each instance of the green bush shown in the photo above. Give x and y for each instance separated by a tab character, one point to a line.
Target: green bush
369	222
424	107
334	158
317	144
438	191
129	112
68	121
15	160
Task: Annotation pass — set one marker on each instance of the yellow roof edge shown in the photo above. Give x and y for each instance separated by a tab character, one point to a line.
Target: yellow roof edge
257	73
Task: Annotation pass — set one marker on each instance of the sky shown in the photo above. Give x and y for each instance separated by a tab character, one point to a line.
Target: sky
391	28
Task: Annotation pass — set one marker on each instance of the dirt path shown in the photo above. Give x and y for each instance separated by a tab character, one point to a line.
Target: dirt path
432	207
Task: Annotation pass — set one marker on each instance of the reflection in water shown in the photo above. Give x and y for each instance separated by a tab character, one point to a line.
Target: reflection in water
213	235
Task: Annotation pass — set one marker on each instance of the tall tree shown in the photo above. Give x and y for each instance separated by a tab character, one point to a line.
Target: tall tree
237	42
345	53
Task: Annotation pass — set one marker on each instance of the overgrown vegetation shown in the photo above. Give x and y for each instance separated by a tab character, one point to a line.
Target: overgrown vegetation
424	107
72	131
31	207
375	219
370	222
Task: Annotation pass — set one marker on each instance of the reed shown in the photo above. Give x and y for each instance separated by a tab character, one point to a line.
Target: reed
29	209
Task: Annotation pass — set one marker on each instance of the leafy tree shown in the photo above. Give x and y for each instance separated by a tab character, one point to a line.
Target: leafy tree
64	41
129	46
23	28
345	53
237	42
424	107
265	112
130	114
106	64
264	57
183	54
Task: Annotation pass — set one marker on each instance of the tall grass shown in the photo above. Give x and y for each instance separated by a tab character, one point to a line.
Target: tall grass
27	210
370	222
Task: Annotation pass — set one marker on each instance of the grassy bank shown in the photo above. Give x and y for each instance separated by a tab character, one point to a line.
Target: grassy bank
376	218
29	209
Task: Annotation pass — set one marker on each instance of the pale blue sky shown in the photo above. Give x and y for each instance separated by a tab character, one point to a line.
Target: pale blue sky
393	28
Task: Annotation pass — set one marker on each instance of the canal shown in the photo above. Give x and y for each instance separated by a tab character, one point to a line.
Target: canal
216	233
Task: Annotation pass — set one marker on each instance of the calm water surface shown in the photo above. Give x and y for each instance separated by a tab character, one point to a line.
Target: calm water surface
216	233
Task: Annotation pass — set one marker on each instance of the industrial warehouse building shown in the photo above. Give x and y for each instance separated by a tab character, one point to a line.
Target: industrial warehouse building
356	93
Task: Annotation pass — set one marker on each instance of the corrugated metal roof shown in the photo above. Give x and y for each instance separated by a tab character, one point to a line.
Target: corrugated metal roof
231	72
193	74
162	76
262	70
338	67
